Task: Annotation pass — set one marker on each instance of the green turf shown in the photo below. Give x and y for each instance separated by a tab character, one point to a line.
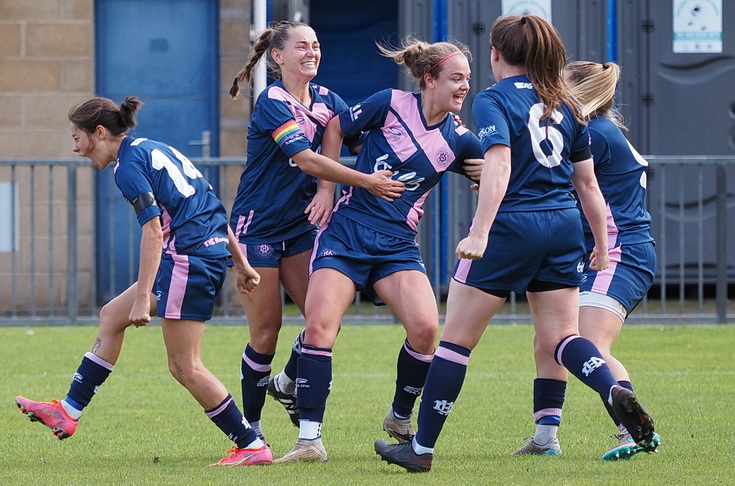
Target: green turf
143	428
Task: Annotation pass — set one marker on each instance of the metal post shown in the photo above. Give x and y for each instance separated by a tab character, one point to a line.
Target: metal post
721	285
32	219
71	262
206	144
260	21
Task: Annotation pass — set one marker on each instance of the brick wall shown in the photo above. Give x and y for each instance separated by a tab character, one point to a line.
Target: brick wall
47	66
235	21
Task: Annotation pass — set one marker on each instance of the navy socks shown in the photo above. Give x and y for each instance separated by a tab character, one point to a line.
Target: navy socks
255	369
92	372
443	384
582	358
313	382
411	372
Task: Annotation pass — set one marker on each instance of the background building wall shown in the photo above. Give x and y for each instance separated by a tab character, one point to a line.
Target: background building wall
234	41
46	66
47	52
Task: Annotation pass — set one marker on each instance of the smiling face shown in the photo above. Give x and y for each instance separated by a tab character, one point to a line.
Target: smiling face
450	86
94	146
300	55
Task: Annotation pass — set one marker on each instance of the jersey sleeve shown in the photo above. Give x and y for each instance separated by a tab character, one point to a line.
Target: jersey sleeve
490	120
469	148
352	142
581	147
275	117
365	115
600	148
133	181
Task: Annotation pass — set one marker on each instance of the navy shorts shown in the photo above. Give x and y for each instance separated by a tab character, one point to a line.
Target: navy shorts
186	286
361	253
270	254
629	276
528	248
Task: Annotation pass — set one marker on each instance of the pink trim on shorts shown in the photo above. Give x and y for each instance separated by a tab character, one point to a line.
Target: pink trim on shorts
177	288
603	279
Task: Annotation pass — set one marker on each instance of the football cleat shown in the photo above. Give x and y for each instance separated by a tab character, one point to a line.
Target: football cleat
404	456
306	451
551	448
246	457
626	447
52	415
399	429
287	400
633	416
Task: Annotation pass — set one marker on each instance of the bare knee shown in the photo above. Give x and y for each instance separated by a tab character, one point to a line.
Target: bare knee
320	333
544	347
265	339
108	317
184	372
422	337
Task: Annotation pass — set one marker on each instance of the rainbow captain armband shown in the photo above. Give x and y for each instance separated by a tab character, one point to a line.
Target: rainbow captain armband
143	201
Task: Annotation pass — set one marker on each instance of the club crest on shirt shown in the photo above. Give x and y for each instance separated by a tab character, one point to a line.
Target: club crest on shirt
394	132
442	158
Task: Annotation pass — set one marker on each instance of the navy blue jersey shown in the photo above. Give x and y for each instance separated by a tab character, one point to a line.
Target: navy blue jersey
542	151
398	139
621	174
273	191
193	220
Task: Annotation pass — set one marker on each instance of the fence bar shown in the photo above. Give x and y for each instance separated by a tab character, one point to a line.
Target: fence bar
51	290
71	245
32	243
13	248
721	284
689	194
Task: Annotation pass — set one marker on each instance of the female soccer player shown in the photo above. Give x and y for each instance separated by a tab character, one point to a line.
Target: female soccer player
370	242
280	203
526	235
607	296
184	250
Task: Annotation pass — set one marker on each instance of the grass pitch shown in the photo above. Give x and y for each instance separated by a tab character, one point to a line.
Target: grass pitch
143	428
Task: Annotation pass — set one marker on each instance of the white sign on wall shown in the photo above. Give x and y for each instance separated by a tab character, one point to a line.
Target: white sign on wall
697	26
9	227
540	8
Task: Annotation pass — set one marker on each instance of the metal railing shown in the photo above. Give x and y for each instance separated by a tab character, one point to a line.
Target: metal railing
50	261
